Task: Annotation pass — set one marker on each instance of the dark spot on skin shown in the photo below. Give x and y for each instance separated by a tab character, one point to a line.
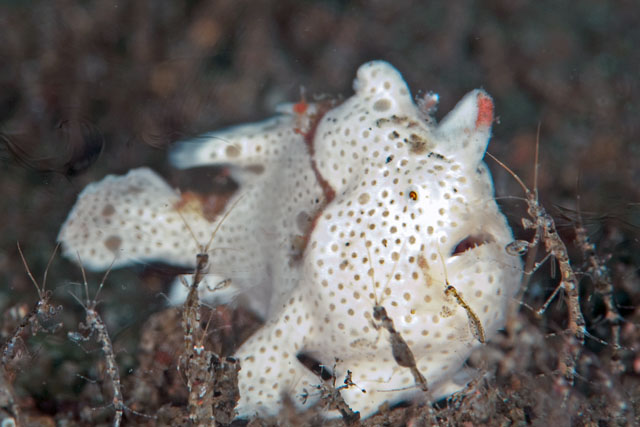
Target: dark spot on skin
108	210
382	105
436	155
418	144
133	189
232	151
257	169
113	243
303	221
298	244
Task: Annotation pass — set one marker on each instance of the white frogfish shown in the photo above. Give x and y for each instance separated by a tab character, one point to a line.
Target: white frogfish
365	234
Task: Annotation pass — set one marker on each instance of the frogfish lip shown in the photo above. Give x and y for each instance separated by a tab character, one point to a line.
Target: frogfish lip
472	241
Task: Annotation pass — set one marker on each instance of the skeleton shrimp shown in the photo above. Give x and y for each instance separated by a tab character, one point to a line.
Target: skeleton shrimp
545	231
94	323
202	367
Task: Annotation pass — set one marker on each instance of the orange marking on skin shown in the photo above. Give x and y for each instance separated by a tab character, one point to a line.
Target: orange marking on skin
189	200
300	107
485	111
327	190
207	205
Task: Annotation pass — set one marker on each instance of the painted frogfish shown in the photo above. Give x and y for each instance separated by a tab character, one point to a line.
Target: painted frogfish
365	234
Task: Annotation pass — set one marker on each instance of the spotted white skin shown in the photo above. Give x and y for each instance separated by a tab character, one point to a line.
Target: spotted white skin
112	221
377	178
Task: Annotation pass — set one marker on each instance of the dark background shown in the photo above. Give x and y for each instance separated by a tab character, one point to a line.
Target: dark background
89	88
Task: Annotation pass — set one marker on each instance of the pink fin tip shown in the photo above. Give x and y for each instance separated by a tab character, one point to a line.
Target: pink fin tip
485	111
